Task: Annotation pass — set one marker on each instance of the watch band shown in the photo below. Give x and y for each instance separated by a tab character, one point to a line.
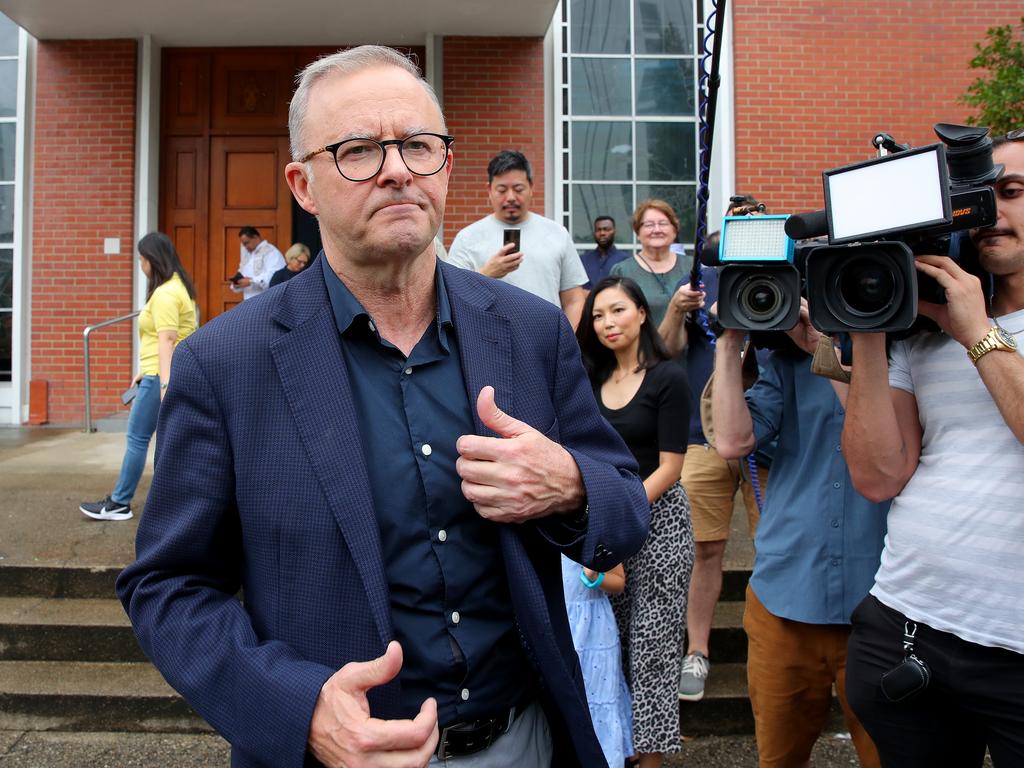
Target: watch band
995	339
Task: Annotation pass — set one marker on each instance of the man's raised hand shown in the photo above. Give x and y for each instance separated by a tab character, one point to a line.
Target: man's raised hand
519	475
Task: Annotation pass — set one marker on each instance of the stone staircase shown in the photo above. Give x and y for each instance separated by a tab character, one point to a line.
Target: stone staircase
69	660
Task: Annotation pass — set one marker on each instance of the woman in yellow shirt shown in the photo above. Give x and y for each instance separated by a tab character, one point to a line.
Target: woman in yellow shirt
168	317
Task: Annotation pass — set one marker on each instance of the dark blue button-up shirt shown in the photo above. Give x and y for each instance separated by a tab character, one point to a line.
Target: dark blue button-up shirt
599	264
450	602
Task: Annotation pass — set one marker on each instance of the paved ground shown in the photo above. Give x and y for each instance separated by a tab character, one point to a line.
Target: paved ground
128	750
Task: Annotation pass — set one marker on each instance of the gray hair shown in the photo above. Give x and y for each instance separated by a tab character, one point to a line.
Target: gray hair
344	63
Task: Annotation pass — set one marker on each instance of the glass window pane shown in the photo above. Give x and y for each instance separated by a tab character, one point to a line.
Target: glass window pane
8	88
6	344
665	87
7	151
601	87
666	151
8	37
7	213
600	26
6	278
602	151
592	200
682	198
664	26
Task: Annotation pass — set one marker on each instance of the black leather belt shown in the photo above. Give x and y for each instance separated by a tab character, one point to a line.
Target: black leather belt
467	738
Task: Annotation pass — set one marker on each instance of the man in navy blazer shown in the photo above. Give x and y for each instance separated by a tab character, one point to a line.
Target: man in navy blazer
385	448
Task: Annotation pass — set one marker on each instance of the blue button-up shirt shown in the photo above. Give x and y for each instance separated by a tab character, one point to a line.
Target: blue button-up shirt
819	541
599	264
450	601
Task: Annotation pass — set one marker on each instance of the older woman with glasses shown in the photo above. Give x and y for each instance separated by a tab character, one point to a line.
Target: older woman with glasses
296	259
656	268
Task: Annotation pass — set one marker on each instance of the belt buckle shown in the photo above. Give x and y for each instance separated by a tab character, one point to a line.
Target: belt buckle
442	744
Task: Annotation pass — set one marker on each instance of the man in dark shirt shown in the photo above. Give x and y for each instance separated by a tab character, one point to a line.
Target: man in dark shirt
599	261
401	453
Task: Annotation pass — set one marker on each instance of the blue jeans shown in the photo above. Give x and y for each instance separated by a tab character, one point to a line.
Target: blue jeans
141	426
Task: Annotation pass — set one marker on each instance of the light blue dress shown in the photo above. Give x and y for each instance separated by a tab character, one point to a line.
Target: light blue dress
596	638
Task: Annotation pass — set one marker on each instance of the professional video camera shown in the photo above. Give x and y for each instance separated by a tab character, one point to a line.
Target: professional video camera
880	213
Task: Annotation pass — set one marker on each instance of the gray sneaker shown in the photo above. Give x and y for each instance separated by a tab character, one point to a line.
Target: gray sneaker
693	675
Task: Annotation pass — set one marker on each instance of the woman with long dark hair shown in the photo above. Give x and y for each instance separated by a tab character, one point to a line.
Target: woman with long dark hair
646	398
168	316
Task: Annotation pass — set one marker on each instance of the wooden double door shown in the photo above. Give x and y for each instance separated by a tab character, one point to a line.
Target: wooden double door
224	147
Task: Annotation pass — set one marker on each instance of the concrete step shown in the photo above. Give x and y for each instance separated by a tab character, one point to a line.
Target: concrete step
728	640
45	629
725	708
58	580
734	584
86	696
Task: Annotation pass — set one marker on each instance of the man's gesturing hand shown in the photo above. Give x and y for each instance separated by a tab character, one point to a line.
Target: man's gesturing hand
519	475
343	735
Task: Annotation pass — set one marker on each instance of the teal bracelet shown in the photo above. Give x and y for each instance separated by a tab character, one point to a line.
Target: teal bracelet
587	582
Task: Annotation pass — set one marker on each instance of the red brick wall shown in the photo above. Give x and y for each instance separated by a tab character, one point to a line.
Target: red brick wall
816	79
493	100
83	192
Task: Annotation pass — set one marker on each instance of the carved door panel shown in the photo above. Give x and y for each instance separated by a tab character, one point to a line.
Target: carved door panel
247	188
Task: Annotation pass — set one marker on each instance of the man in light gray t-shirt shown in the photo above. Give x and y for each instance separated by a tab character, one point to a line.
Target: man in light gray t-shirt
546	263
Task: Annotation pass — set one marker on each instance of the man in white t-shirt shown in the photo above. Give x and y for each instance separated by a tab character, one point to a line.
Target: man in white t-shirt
258	260
941	429
546	263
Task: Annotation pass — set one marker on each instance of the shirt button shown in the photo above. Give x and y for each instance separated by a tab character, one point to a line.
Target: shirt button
408	371
835	485
427	450
464	694
455	617
835	523
839	448
835	563
371	325
442	535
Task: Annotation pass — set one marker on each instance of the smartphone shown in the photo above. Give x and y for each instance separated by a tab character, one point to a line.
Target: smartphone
129	394
512	236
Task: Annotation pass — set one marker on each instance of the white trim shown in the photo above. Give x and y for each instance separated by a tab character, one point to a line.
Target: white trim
16	397
550	157
722	182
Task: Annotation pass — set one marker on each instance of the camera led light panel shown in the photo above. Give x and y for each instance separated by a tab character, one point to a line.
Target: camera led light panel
755	239
896	193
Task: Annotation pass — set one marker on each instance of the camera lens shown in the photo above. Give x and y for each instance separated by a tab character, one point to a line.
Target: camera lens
760	299
867	287
866	290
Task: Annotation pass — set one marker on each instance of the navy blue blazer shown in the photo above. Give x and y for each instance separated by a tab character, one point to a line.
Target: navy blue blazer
261	486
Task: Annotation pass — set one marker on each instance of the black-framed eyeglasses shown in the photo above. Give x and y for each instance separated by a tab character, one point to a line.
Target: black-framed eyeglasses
1016	135
361	159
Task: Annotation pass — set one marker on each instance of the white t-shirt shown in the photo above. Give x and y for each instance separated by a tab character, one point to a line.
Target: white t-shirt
954	552
550	262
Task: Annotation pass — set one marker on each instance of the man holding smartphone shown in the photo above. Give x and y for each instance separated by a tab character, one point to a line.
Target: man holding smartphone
521	247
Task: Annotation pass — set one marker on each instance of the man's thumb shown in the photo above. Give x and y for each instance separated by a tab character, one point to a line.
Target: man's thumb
496	419
363	675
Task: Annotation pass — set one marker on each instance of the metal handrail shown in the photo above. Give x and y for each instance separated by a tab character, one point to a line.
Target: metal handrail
88	427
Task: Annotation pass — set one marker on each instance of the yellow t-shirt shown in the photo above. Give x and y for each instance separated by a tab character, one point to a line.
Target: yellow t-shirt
170	308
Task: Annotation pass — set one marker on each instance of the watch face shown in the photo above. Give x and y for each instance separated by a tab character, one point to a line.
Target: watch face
1006	337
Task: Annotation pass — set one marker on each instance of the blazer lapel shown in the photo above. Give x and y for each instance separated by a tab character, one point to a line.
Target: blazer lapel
485	348
310	364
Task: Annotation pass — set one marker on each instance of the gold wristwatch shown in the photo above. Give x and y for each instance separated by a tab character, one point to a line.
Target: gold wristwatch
996	339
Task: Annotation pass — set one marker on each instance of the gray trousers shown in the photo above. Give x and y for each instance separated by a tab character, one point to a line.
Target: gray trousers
526	745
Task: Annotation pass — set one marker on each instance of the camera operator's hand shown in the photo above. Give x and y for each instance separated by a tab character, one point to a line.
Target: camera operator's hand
803	334
504	261
963	316
686	300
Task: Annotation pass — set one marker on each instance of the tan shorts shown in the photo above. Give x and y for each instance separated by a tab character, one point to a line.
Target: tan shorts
711	483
